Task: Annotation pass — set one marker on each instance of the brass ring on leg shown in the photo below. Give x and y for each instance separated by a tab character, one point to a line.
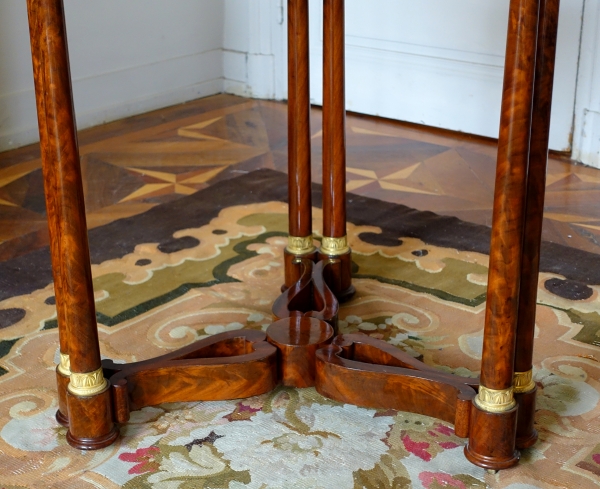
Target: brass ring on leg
300	245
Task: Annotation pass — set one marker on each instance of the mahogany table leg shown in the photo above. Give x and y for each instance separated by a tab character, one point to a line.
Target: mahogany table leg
87	395
335	241
525	388
300	241
494	411
63	369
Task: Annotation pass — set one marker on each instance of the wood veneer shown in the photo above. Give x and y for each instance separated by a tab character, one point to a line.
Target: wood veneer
534	210
296	349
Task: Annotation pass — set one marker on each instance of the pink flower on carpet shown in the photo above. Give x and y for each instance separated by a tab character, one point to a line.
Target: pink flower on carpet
445	430
144	458
596	458
441	480
242	412
417	448
448	445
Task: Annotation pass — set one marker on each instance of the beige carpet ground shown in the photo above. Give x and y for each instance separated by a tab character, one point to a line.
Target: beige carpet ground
224	275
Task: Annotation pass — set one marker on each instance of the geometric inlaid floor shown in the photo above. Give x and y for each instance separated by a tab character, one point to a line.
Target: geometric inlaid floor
131	165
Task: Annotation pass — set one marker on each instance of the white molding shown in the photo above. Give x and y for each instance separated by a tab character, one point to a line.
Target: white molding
586	134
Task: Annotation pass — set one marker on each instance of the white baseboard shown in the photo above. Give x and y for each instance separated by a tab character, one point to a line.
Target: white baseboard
587	143
111	96
249	75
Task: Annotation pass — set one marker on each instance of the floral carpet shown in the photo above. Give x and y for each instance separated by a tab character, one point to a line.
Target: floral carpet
199	267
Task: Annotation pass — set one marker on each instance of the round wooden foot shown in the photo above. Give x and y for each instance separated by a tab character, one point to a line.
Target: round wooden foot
338	276
298	339
62	381
492	439
93	443
91	424
62	419
526	432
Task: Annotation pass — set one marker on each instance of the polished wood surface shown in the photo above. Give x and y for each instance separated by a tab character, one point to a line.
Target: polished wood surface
299	142
88	418
534	208
293	268
493	429
334	146
91	421
62	382
299	151
296	349
310	296
492	439
298	339
357	369
526	434
230	365
62	177
334	120
509	197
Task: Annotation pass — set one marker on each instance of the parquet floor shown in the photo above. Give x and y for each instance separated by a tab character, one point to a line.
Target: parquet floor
134	164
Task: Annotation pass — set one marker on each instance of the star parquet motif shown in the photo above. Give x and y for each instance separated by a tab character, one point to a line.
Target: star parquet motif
133	165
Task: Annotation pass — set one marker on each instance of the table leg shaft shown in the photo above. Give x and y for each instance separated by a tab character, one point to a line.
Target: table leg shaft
78	333
335	241
534	207
494	410
299	156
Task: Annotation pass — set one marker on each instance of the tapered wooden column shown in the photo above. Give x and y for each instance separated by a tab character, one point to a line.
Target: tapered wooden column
300	241
63	371
525	388
494	410
87	395
335	241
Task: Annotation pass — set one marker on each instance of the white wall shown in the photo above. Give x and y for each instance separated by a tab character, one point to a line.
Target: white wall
131	57
586	136
254	47
441	63
126	58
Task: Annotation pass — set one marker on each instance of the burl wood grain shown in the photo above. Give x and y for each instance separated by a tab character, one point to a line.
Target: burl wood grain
366	372
509	198
63	186
534	208
231	365
536	180
492	439
90	418
91	424
354	368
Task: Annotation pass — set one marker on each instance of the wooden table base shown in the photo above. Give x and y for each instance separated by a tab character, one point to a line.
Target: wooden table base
301	347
